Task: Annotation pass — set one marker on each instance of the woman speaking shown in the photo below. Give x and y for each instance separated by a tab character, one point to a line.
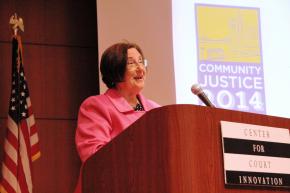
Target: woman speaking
103	117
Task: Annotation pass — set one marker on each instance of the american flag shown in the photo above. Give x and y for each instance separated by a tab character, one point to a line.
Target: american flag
21	145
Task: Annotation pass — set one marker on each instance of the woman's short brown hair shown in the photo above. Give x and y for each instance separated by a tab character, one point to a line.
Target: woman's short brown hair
113	62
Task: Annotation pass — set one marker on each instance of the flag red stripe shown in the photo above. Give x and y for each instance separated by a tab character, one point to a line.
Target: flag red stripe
7	187
33	129
10	164
21	178
12	139
34	149
25	132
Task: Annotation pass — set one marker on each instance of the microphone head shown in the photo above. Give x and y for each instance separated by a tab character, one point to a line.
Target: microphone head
196	89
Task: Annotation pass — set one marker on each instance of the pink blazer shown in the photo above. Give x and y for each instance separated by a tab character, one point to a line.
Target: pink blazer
103	117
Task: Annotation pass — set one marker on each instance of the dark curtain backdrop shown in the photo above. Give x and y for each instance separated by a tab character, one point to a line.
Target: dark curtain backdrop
60	61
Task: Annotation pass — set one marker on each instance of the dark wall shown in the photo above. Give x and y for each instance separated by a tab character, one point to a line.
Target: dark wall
60	62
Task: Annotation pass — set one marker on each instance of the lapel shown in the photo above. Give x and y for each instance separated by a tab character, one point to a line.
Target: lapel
120	102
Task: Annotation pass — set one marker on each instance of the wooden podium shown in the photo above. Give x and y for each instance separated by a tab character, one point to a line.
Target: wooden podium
172	149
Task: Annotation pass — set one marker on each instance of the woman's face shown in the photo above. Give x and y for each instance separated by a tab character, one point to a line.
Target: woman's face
135	74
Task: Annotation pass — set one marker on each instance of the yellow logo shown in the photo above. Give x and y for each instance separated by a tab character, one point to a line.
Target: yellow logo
228	34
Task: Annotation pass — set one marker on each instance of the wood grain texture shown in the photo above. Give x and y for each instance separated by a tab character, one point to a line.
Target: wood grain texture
57	169
52	22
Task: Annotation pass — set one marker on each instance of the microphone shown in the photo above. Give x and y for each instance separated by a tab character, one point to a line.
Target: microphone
197	90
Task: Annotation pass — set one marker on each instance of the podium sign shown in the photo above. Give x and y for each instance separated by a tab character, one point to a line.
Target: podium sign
255	155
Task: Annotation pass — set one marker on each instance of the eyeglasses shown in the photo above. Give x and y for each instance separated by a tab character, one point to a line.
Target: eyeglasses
131	63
